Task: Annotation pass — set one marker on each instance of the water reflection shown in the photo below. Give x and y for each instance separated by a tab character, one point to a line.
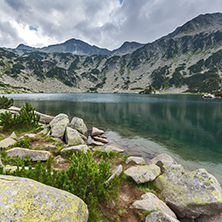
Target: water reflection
187	125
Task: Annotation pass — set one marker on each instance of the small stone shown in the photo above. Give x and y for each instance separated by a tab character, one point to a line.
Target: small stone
116	149
49	147
100	139
96	143
74	149
13	135
60	160
7	142
96	132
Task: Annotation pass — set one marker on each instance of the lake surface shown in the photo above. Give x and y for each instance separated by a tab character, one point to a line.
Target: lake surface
186	127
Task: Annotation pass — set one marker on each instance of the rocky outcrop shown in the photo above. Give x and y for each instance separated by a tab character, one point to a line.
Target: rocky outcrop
151	202
28	200
35	155
72	137
160	216
190	194
58	125
143	174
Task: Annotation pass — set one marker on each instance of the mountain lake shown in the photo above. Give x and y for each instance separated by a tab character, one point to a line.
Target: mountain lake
187	127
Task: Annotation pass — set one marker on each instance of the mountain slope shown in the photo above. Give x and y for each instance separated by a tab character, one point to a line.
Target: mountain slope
190	58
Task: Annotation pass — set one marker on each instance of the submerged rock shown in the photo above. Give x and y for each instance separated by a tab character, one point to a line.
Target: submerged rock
190	194
143	174
27	200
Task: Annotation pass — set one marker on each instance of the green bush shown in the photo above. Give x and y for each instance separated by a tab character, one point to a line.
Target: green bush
5	103
26	118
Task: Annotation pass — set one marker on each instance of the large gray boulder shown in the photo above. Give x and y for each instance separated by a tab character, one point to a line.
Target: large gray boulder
78	124
160	216
35	155
151	202
58	125
143	174
190	194
72	137
27	200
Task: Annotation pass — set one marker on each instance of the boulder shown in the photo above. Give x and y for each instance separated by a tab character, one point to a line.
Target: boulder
7	142
190	194
74	149
96	132
28	200
102	149
143	174
28	135
58	125
79	125
116	172
34	154
135	159
160	216
72	137
164	158
211	218
151	202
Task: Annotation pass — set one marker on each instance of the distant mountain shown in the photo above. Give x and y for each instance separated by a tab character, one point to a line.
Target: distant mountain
78	47
188	59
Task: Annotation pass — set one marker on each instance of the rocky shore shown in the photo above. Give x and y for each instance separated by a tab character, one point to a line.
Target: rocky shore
187	196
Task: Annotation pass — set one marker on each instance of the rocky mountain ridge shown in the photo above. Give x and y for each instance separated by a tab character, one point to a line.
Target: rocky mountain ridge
190	58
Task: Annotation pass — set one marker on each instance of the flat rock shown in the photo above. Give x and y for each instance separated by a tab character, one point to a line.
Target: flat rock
78	124
58	125
164	158
160	216
151	202
28	135
143	174
28	200
116	149
101	139
96	132
96	143
135	159
7	142
102	149
74	149
72	137
190	194
34	154
211	218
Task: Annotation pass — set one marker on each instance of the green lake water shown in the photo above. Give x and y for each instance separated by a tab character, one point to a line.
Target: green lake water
186	127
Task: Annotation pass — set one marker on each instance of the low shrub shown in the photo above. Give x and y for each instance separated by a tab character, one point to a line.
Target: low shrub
26	118
5	103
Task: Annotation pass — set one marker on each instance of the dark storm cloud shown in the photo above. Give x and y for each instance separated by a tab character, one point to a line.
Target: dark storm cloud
106	23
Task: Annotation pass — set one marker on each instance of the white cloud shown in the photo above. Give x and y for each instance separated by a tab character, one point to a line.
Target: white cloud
106	23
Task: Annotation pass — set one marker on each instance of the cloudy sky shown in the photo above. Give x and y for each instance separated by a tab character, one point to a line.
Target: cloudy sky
104	23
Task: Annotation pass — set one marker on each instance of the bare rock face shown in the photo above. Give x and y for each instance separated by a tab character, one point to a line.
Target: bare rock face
143	174
58	125
151	202
27	200
34	154
190	194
